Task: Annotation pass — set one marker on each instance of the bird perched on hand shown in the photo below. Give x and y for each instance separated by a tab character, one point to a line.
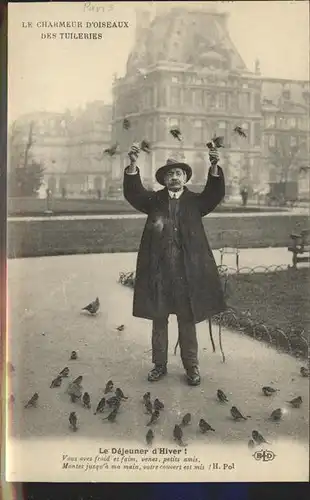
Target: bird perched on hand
158	405
204	426
146	397
64	372
149	437
33	400
276	415
268	391
221	396
236	414
120	328
258	438
126	124
251	444
239	130
296	402
304	371
109	386
100	406
112	416
178	435
56	382
176	133
154	417
186	420
112	150
119	394
148	406
86	400
145	146
216	142
73	355
73	421
93	307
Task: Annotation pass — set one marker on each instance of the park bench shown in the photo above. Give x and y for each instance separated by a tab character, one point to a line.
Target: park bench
300	247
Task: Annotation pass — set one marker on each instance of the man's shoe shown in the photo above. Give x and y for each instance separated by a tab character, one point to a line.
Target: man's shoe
193	376
157	373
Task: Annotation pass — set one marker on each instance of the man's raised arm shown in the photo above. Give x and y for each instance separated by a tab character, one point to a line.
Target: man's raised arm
214	190
134	192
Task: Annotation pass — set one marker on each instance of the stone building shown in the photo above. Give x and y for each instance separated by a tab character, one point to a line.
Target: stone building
69	145
199	83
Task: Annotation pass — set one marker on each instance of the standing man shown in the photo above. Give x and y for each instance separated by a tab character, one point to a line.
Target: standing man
176	271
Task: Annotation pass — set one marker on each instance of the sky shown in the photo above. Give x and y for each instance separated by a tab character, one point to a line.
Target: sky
55	74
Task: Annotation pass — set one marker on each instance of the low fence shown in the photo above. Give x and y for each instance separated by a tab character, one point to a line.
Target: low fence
33	238
294	340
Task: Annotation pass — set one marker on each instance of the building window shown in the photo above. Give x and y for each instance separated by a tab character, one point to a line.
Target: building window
175	96
270	121
174	122
162	100
293	141
198	131
222	101
292	122
272	141
198	98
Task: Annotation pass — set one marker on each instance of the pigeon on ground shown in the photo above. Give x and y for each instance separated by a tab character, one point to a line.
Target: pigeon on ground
276	415
56	382
109	387
258	438
32	401
100	406
149	437
296	402
204	426
73	355
268	391
154	417
186	420
73	421
236	414
178	435
221	396
93	307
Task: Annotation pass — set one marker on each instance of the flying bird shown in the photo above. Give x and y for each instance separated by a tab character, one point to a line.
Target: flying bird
204	426
296	402
126	124
236	414
276	415
33	400
158	405
112	150
73	355
240	131
268	391
154	417
73	421
149	437
56	382
304	371
86	400
93	307
120	328
176	133
258	438
109	387
119	394
100	406
178	435
145	146
221	396
64	372
186	420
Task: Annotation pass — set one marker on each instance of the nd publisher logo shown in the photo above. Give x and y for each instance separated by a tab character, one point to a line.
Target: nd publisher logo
264	455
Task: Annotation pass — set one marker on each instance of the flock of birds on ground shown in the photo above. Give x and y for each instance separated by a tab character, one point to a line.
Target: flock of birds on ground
113	403
216	142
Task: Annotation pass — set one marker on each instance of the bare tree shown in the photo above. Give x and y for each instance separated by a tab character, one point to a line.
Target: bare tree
285	157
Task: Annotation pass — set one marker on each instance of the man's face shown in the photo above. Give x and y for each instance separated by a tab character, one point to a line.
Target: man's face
175	179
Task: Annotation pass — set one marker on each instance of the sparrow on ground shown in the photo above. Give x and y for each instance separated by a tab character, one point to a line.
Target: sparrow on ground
73	355
56	382
100	406
221	396
146	397
149	407
64	372
86	400
268	391
78	380
258	438
178	435
119	394
154	417
158	405
109	387
204	426
236	414
73	421
93	307
276	415
112	416
149	437
304	371
113	402
296	402
33	400
75	391
186	420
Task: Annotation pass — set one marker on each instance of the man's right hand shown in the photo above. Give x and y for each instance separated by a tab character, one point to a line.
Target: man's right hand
133	154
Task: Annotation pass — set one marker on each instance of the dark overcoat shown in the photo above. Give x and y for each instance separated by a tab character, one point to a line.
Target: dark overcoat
204	285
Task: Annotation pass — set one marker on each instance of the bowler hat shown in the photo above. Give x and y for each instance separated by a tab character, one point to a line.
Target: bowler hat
170	163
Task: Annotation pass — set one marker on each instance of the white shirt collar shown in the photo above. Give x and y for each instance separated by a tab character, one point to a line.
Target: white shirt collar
175	194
